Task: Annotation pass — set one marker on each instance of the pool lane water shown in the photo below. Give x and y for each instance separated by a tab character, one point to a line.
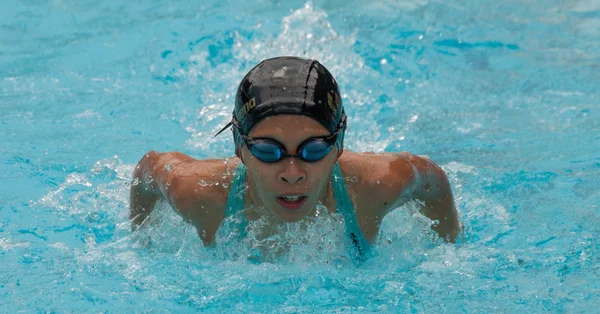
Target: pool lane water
503	95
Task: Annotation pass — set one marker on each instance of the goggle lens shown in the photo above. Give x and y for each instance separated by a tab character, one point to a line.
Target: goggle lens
267	152
315	150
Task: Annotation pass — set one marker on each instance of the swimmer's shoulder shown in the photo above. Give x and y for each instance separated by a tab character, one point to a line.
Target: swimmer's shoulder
380	178
376	168
206	181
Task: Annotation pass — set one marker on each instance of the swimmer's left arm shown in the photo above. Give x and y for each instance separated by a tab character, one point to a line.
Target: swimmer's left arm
421	179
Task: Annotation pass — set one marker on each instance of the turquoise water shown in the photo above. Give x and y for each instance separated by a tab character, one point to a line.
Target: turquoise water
503	95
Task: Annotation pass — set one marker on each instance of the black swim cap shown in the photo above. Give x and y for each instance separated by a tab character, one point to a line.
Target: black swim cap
288	85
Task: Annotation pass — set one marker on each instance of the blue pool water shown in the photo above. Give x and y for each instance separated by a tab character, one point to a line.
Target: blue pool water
502	94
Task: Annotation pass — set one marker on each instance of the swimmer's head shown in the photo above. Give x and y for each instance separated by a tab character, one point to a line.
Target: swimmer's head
288	85
288	106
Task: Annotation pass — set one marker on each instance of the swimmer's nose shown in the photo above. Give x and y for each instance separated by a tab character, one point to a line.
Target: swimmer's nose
292	173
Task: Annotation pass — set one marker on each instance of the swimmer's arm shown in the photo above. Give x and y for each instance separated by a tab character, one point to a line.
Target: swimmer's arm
428	183
149	184
174	177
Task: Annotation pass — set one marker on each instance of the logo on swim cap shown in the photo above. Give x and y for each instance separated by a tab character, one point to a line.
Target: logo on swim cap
248	106
333	101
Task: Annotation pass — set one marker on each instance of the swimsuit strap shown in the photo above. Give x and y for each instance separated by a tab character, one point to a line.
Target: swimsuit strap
361	247
236	197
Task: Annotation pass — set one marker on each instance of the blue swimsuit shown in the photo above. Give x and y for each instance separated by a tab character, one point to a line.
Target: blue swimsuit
359	249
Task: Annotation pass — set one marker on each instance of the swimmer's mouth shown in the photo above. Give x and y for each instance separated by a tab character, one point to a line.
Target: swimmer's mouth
291	202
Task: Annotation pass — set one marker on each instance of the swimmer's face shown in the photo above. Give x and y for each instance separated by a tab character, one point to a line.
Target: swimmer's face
289	176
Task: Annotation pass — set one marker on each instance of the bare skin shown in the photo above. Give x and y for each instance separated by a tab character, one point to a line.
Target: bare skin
379	183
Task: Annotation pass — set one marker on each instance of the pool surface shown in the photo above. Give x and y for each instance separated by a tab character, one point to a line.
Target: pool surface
502	94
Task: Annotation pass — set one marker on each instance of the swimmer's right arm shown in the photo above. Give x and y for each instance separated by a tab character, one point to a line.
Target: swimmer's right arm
174	177
151	177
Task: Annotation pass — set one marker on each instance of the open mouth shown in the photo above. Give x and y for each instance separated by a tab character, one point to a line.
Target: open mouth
291	202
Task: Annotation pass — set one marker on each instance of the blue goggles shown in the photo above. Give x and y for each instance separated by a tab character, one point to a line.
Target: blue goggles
311	150
269	150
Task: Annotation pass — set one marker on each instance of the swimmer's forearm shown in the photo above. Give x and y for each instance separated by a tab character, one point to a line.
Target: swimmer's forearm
144	192
434	190
443	211
151	180
141	206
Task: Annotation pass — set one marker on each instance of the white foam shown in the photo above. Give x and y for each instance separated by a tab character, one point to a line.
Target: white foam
456	167
87	114
6	244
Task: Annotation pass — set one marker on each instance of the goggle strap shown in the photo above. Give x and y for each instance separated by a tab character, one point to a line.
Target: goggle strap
224	128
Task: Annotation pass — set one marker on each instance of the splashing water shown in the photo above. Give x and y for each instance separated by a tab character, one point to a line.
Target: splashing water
503	95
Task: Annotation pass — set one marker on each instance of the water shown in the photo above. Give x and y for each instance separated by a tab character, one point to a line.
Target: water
503	95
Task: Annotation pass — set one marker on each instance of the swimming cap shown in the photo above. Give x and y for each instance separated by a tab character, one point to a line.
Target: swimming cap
288	85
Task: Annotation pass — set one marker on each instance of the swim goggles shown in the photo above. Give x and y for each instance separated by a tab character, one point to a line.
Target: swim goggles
310	150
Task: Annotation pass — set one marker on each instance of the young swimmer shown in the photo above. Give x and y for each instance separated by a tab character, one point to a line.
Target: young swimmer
288	127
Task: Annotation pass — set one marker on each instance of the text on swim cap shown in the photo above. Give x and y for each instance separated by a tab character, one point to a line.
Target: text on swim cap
333	101
249	105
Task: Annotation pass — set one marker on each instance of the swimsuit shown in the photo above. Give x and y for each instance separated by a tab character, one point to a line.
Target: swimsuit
359	249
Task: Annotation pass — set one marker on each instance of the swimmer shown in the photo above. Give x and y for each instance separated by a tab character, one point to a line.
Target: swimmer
288	127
